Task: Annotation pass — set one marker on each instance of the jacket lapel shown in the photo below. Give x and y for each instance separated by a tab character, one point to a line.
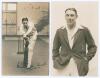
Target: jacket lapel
76	36
65	35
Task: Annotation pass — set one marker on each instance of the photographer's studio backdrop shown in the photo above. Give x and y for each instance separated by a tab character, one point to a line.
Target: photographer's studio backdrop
12	14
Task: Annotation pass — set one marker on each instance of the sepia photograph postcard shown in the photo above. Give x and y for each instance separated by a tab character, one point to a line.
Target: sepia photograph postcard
25	38
49	38
74	38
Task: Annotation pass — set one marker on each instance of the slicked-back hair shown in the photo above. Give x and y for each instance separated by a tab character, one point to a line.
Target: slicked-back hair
72	9
24	19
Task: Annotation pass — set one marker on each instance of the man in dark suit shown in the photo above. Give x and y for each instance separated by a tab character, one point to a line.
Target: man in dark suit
71	42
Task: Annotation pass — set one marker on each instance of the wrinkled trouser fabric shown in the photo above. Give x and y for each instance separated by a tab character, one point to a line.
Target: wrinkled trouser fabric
31	45
30	52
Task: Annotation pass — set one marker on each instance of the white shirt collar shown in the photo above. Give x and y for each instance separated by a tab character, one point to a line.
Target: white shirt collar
76	27
71	34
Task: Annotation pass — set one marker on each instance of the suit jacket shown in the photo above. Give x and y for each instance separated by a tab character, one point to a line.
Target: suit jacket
62	53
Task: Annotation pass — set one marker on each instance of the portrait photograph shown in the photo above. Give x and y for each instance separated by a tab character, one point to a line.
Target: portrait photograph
74	38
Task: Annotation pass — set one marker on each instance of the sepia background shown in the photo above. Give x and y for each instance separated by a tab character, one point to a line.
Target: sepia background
12	44
87	16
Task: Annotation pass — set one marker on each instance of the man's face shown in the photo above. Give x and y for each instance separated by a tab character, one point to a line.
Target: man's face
25	23
70	17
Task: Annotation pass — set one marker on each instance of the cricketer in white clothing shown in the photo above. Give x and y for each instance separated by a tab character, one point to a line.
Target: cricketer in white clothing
29	33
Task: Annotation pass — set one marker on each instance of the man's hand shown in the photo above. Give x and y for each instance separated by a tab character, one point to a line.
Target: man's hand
25	37
26	40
